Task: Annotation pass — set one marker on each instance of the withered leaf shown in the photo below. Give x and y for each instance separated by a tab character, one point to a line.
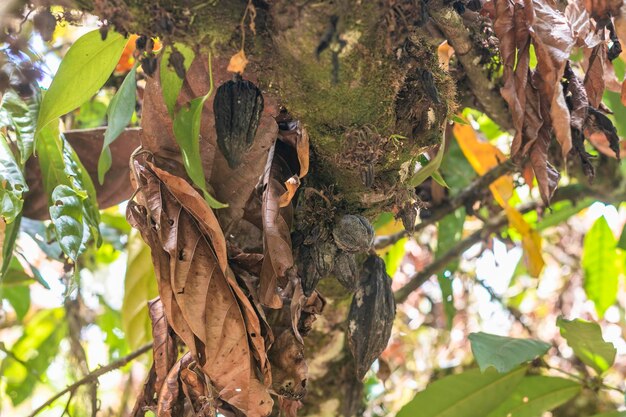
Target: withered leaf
601	132
594	76
164	351
201	303
577	98
289	369
553	41
371	315
170	403
512	29
276	223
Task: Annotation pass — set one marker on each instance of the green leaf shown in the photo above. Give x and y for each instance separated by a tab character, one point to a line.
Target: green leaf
60	166
621	243
470	394
599	261
449	232
119	113
91	114
8	236
140	286
19	298
536	395
83	71
585	338
21	116
429	170
12	183
187	133
171	83
504	353
394	256
383	219
37	347
66	213
455	168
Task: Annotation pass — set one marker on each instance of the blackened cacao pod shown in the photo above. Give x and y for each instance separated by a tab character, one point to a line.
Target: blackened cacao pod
315	262
353	233
346	270
371	315
237	107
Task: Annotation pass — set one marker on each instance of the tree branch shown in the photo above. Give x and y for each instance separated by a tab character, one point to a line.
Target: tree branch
93	376
453	28
466	197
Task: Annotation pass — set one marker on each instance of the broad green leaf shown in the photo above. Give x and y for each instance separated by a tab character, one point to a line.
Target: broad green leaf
171	83
536	395
60	166
470	394
585	338
429	170
21	116
119	113
504	353
37	347
449	232
140	286
394	256
12	183
19	298
187	133
611	414
83	71
599	261
66	213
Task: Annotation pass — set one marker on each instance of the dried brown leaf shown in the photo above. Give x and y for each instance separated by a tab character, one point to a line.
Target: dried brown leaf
202	304
594	76
164	351
553	41
583	27
170	403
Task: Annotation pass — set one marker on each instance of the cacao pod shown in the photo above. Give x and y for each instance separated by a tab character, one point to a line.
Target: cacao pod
371	315
315	262
353	233
346	270
237	107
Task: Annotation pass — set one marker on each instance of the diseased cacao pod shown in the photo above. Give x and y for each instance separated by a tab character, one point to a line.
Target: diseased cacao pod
346	270
237	106
314	263
371	315
353	233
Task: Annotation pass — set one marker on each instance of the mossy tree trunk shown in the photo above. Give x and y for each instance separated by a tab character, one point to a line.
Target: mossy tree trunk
363	78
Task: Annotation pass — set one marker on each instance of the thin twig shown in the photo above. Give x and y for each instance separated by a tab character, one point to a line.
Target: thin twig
466	197
93	376
454	252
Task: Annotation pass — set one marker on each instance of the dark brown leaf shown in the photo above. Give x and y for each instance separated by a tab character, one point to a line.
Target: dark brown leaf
594	76
202	304
553	41
171	400
164	350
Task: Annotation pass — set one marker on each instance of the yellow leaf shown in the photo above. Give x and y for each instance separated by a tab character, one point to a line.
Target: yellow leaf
238	62
483	156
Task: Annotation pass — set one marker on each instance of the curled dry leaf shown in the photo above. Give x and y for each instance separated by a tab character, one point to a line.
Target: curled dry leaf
371	315
170	403
553	41
283	163
595	75
164	351
202	304
289	369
